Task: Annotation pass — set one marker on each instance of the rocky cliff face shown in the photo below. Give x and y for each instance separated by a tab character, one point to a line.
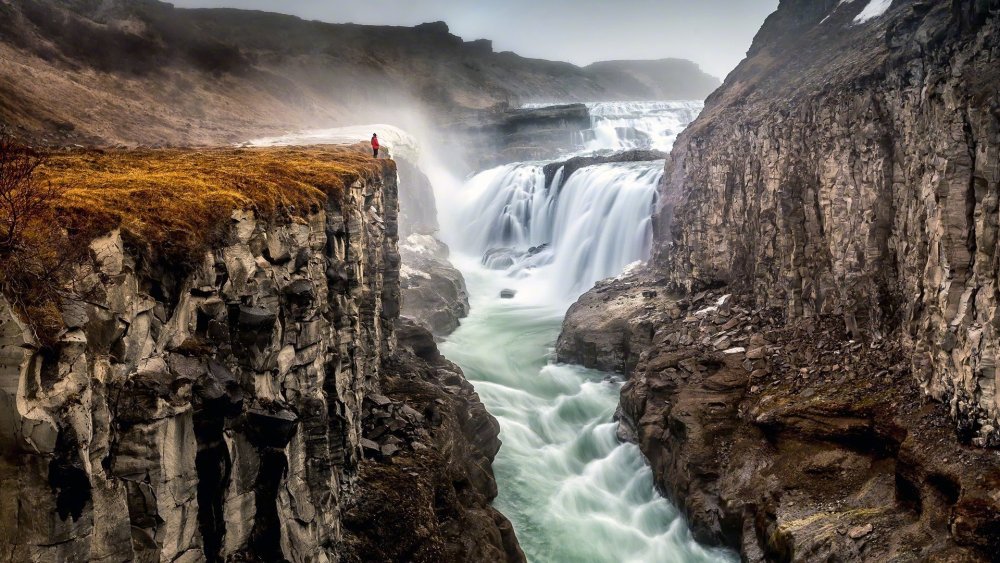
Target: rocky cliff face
812	349
241	412
858	181
433	290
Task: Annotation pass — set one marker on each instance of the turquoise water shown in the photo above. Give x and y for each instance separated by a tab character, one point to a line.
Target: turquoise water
573	493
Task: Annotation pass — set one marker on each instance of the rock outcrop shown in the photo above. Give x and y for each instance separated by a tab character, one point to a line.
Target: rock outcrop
566	168
417	204
435	494
811	350
434	292
489	139
237	410
786	440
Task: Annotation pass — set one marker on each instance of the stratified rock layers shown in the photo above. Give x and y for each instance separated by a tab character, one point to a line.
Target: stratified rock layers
859	177
811	352
221	413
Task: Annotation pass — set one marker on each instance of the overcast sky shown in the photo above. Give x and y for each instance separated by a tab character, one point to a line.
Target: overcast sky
713	33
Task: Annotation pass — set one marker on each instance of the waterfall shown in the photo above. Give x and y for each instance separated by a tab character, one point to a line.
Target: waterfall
591	226
566	235
618	126
572	491
637	125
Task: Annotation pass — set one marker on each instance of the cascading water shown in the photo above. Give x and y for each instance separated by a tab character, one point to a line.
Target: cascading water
592	226
618	126
573	492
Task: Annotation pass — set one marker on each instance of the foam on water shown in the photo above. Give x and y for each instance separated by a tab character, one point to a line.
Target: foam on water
572	491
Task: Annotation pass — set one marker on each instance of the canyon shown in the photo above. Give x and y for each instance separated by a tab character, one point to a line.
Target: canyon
582	317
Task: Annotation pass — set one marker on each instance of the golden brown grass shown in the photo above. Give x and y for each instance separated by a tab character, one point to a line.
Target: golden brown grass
178	203
171	206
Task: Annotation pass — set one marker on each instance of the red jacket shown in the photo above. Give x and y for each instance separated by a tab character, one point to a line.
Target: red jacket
374	142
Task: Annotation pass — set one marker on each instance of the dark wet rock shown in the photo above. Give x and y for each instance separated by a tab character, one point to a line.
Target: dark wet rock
255	317
271	429
434	291
500	258
566	168
428	473
301	289
507	293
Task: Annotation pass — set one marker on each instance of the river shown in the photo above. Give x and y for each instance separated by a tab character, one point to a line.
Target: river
572	491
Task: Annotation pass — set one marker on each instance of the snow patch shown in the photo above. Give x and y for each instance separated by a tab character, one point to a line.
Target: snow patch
407	272
835	8
396	141
630	269
874	9
421	244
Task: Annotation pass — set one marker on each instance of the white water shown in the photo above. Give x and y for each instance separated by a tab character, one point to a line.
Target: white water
572	491
594	225
618	126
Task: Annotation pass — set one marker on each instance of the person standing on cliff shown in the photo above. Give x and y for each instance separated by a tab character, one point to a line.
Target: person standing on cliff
375	145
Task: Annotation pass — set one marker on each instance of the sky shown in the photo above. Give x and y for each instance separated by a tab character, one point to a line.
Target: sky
713	33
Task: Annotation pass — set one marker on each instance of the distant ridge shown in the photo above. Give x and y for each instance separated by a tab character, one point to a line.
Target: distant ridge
662	79
145	72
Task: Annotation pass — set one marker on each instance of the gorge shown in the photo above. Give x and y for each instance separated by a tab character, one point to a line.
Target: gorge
573	313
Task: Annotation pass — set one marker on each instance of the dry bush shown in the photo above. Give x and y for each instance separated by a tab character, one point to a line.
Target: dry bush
35	254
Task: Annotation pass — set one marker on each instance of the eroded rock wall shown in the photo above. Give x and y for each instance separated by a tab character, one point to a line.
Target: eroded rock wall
854	169
811	351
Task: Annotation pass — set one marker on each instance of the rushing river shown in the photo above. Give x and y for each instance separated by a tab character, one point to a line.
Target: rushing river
572	491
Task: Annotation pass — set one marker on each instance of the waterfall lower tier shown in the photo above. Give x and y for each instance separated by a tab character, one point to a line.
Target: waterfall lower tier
572	491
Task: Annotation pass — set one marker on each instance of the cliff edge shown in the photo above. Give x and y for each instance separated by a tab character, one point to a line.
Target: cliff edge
237	390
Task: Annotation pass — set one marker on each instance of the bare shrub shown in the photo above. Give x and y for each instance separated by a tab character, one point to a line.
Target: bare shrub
36	256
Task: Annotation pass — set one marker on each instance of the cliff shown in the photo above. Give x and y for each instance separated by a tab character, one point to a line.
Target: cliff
242	393
811	350
144	72
657	78
857	181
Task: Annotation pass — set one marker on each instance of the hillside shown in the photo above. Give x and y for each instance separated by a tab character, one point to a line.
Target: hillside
144	72
657	77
